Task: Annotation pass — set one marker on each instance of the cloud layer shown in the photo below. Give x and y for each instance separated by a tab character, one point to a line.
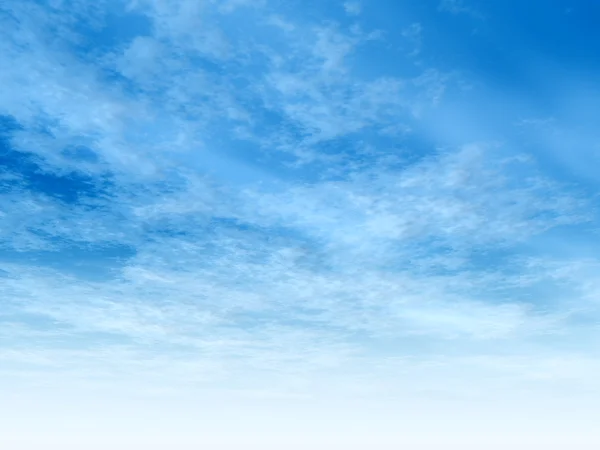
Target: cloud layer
289	201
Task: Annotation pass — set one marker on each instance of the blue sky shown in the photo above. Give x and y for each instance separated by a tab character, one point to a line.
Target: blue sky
301	210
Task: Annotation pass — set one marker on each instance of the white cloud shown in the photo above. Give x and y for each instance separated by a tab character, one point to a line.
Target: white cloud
251	301
276	289
353	8
413	34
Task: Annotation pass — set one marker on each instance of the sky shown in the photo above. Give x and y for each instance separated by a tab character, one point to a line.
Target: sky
265	224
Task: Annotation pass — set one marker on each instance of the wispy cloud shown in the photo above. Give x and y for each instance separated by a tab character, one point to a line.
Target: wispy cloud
245	196
459	7
353	8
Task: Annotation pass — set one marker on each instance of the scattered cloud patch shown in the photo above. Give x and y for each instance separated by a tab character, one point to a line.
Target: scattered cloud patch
353	8
238	194
458	7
